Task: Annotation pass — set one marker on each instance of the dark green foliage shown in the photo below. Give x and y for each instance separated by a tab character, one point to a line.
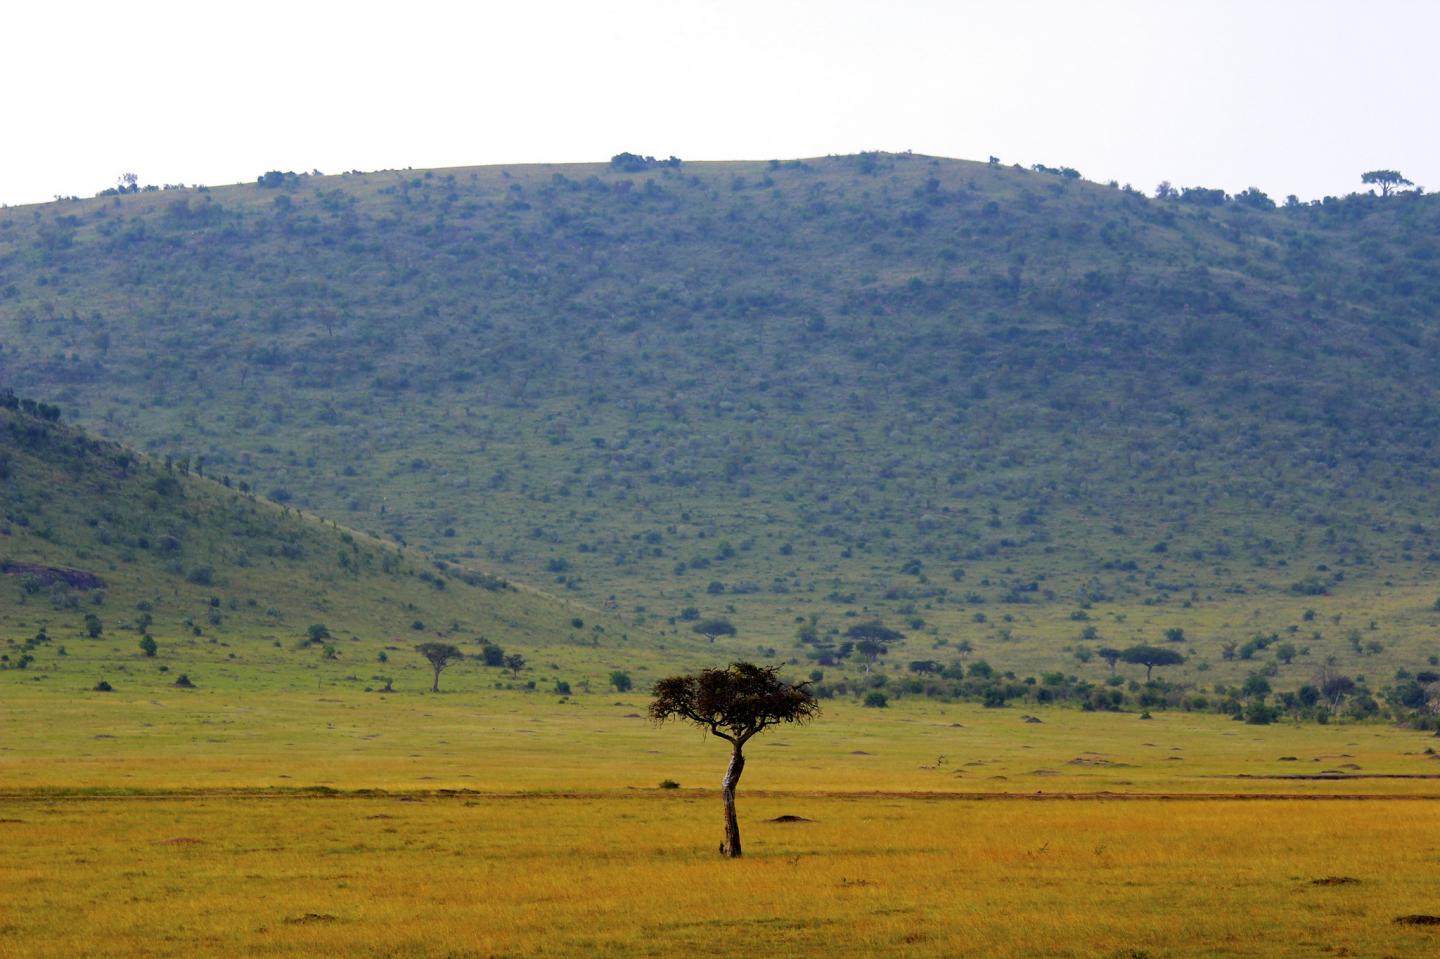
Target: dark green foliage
148	646
1387	180
634	163
1255	686
621	681
1259	714
1150	657
734	703
714	628
274	179
874	631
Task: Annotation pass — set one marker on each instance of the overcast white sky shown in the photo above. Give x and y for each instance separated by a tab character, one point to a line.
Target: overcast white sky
1294	96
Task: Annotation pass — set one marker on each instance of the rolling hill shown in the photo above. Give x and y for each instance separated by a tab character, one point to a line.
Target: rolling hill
990	406
103	550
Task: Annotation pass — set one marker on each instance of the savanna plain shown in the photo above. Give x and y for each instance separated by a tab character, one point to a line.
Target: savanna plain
494	823
1100	525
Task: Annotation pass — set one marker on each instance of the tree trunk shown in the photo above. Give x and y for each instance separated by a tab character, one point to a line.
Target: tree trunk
435	686
731	849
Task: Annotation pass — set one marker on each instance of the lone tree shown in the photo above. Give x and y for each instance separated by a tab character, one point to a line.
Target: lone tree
713	628
1386	180
872	640
440	656
734	703
1150	657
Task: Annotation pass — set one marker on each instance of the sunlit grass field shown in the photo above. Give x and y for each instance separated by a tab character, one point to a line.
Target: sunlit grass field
502	823
633	876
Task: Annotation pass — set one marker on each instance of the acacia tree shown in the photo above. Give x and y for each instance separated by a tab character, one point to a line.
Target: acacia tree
734	704
440	656
872	640
712	628
1150	657
1387	180
875	631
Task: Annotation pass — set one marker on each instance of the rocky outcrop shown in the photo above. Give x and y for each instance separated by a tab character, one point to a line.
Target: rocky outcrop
50	575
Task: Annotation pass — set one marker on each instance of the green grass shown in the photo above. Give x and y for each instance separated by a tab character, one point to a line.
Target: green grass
150	737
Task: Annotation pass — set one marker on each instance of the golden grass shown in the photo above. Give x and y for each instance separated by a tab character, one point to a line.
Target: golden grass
638	877
169	823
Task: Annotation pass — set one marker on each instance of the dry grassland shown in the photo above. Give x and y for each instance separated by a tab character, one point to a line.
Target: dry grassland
180	825
448	876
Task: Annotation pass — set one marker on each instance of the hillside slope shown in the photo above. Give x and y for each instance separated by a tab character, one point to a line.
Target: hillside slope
100	547
975	400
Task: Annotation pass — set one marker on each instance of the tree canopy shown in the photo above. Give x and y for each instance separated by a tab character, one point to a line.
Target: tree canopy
875	631
1387	180
712	628
1150	657
733	703
440	656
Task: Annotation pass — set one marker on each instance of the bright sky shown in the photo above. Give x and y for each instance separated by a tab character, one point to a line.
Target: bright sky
1293	96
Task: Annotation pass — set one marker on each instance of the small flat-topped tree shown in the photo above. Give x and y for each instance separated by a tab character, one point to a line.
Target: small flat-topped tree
734	703
440	656
1150	657
713	628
